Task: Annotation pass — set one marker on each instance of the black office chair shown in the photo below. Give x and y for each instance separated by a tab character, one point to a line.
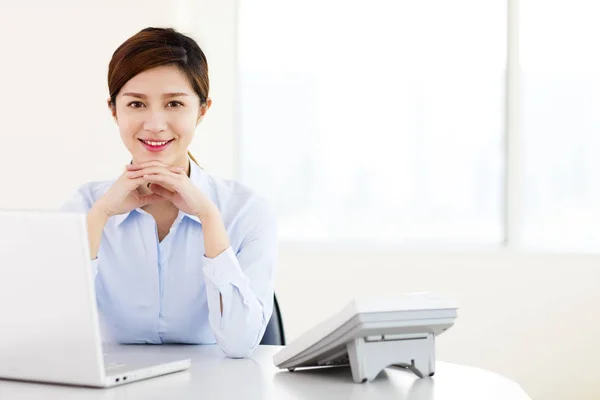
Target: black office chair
274	334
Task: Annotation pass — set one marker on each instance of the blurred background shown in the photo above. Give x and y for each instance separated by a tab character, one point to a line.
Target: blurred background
406	146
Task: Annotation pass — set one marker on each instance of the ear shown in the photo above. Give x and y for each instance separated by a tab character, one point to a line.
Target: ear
112	108
203	109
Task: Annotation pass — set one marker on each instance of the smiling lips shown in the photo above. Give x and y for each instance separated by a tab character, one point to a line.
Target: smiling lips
155	146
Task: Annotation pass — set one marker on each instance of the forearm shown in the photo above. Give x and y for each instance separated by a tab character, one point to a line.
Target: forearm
216	239
96	220
243	278
246	309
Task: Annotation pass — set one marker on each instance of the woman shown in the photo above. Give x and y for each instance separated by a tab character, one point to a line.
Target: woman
179	255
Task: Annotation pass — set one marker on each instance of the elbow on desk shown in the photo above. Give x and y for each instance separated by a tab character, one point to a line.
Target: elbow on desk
241	350
238	346
240	340
239	353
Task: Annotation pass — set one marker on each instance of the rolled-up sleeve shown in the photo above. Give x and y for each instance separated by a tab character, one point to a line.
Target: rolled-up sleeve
245	282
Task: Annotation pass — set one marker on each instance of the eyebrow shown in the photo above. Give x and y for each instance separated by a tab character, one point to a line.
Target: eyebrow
143	96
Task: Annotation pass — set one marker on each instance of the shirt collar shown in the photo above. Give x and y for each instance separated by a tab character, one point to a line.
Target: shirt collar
198	177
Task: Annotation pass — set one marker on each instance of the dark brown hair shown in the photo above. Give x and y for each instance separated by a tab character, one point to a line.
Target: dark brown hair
155	47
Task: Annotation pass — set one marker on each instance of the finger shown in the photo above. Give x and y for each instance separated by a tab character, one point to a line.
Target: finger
150	199
136	171
156	185
177	170
134	167
161	191
133	184
163	180
149	171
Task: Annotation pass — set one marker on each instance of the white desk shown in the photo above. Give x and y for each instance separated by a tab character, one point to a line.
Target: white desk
213	376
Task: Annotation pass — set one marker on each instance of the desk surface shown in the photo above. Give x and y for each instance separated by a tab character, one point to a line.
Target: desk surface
213	376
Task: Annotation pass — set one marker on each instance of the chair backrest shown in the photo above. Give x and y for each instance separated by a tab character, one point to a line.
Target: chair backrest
274	334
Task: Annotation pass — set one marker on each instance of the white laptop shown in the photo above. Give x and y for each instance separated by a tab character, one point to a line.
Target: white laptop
49	328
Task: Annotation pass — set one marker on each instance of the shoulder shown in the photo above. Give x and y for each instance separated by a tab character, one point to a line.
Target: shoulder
86	195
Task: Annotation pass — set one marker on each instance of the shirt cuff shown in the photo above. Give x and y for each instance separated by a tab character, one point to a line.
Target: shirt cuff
224	269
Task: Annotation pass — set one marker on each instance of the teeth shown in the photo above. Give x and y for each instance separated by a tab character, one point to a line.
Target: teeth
155	143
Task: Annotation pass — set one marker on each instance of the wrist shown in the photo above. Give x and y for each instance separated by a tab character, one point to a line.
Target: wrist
209	215
99	213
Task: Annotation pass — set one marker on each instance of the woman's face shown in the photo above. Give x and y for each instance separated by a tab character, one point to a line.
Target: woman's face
157	112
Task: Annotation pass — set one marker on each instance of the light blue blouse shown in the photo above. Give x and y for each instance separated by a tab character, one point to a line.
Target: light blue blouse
168	292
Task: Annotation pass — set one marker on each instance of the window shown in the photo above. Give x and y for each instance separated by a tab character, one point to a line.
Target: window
382	123
560	124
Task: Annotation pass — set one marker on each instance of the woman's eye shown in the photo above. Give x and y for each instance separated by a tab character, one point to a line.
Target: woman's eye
174	104
136	104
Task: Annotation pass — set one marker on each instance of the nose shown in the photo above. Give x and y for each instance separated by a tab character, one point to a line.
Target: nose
155	122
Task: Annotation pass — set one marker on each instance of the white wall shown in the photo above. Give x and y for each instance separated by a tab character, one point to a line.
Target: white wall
531	317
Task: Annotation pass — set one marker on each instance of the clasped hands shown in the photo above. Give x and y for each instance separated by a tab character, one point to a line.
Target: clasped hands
165	182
